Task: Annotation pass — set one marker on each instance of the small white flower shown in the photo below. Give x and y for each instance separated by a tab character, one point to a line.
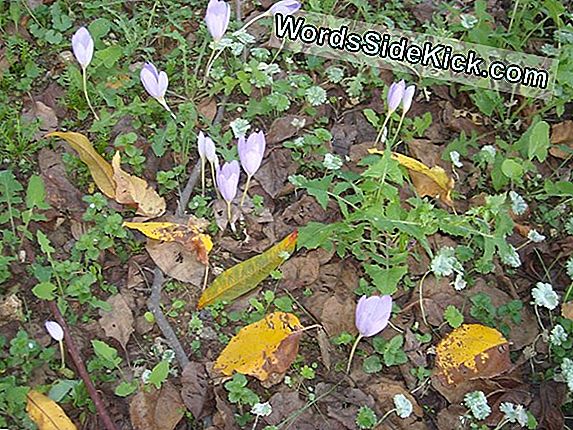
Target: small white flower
518	205
332	162
262	409
567	372
240	127
558	335
445	262
514	413
535	236
476	402
489	151
145	376
403	406
455	158
55	330
460	283
510	257
315	95
544	295
298	122
468	21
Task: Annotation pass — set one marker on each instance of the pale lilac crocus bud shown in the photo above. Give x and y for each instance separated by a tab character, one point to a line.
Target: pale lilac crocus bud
217	18
373	314
155	82
408	97
251	152
55	330
395	95
83	46
285	7
228	180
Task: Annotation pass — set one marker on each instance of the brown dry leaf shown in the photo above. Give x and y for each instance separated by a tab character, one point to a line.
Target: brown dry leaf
156	409
433	182
195	390
187	235
46	413
567	310
383	392
262	348
100	169
48	121
562	134
117	323
131	190
176	261
276	168
286	127
469	352
11	309
208	108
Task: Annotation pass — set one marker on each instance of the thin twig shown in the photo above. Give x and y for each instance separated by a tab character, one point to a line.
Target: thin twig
154	306
81	368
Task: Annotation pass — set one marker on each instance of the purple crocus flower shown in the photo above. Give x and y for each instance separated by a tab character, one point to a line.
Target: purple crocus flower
217	18
285	7
373	314
155	82
251	152
83	46
206	148
395	95
408	97
55	330
228	180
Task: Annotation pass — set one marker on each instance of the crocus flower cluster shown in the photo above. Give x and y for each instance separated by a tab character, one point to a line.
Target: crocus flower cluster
83	49
155	83
398	94
207	152
251	152
372	316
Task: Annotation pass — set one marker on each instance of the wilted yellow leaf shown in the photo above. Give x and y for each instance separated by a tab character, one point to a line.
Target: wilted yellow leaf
262	348
472	351
131	190
433	182
187	235
100	169
46	413
245	276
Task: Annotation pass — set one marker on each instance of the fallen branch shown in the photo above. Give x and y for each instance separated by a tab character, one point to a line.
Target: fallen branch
154	306
81	368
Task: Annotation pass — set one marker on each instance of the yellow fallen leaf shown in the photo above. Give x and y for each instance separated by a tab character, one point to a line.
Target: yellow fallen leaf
46	413
187	235
131	190
100	169
262	348
472	351
245	276
433	182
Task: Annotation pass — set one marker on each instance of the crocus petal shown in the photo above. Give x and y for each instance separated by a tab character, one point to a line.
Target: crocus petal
228	180
210	151
252	151
201	145
395	95
155	82
83	46
162	83
373	314
55	330
285	7
217	18
408	97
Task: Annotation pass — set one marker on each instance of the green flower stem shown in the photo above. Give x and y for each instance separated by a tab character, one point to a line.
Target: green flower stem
246	189
398	129
85	85
203	176
213	178
352	351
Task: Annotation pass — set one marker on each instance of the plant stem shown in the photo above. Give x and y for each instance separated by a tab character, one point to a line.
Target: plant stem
382	129
214	179
85	84
421	297
386	415
252	21
246	189
398	129
229	212
203	176
62	353
512	17
211	61
352	351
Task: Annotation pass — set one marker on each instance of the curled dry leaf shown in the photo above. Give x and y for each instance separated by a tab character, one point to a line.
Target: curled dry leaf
100	169
469	352
46	413
245	276
261	349
117	323
176	261
156	409
562	139
433	182
131	190
189	236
